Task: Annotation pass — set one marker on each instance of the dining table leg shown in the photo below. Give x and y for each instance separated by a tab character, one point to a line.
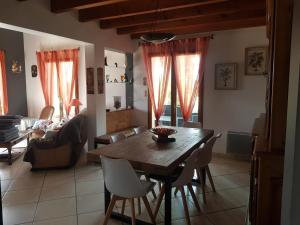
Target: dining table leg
168	202
106	198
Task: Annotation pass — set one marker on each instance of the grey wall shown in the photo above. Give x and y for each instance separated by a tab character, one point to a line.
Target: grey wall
13	44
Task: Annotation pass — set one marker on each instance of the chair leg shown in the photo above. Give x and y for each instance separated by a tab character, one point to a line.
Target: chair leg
190	187
210	178
123	206
186	210
152	191
159	200
132	211
147	205
176	191
139	206
202	185
110	209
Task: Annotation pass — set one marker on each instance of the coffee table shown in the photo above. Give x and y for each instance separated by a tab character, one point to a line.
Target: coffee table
22	136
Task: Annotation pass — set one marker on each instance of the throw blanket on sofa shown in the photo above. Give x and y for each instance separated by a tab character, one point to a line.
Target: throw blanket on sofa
74	132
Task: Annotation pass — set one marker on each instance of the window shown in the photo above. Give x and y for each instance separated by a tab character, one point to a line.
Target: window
172	115
66	77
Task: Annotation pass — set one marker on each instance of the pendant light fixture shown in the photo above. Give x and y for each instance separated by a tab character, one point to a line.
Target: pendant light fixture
157	37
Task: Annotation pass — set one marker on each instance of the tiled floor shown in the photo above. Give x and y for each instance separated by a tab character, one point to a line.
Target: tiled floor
75	196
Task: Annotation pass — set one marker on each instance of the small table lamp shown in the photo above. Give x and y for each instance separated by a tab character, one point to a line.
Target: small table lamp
76	103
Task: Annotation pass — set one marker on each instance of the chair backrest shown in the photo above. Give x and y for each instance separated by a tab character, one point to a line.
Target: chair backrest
192	124
205	151
187	173
121	179
139	130
47	113
117	137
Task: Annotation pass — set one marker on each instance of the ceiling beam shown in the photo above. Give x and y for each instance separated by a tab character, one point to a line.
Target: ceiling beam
137	7
161	27
220	26
59	6
191	12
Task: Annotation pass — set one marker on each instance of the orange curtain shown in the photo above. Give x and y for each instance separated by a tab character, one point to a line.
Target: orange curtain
189	57
157	61
3	86
46	64
67	70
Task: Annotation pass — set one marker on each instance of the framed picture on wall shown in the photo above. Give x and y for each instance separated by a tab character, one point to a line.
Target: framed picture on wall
100	80
256	60
90	81
225	76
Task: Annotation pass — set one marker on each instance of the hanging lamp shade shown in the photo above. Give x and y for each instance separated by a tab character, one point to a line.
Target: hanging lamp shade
157	38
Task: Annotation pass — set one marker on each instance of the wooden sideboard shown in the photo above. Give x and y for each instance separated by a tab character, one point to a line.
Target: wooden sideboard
119	120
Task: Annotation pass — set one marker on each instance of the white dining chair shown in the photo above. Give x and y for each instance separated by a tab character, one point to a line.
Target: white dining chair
192	124
204	157
184	179
123	183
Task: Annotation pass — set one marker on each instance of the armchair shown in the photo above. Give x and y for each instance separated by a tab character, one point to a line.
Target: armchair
63	149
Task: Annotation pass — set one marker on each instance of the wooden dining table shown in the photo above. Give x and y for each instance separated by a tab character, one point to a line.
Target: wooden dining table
158	159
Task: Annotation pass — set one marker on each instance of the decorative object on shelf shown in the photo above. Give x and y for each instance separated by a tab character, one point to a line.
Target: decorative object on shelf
16	67
123	76
115	80
225	76
76	103
144	81
256	61
100	80
116	64
34	71
107	78
117	102
90	81
163	134
105	61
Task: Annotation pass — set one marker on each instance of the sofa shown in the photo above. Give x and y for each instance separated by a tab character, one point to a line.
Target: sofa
62	149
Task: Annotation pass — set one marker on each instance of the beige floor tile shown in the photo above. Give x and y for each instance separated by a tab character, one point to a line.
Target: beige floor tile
35	181
214	202
58	191
18	214
21	196
196	220
56	209
229	217
57	180
5	185
177	209
238	196
90	203
88	172
70	220
89	187
61	173
95	218
231	181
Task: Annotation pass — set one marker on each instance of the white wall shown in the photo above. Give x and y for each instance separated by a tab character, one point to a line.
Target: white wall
223	110
234	110
34	43
36	15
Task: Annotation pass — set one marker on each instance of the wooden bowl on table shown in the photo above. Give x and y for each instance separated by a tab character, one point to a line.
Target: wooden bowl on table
162	134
